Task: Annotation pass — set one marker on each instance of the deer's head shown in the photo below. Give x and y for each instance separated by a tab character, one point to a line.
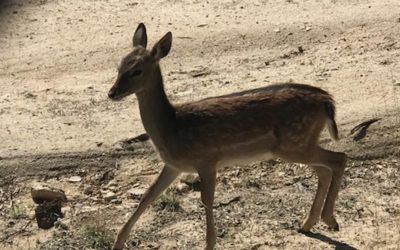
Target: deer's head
137	68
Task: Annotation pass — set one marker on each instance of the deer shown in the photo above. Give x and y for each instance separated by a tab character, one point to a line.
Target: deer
281	120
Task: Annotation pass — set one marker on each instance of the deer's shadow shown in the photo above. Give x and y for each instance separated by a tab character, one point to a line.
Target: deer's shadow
338	244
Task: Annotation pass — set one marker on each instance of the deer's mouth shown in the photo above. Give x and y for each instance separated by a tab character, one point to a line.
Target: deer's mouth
116	95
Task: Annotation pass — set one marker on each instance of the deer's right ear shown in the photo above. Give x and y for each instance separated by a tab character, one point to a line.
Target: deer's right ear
162	47
140	36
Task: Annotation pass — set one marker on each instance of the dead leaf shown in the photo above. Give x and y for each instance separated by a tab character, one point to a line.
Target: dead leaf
360	131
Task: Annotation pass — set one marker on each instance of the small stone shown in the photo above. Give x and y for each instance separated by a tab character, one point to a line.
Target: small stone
308	28
113	188
109	196
75	179
67	210
281	174
62	223
116	201
277	30
88	190
85	209
112	183
136	193
190	179
182	187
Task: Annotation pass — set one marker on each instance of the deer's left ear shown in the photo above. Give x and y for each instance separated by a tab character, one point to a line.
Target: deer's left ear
140	36
162	47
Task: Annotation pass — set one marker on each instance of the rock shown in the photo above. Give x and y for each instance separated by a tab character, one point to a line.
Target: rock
109	196
75	179
136	193
43	193
50	201
112	186
88	190
113	189
190	179
62	223
116	201
182	187
86	209
308	28
48	213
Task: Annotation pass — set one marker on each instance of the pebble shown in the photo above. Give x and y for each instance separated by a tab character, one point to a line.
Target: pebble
136	193
88	190
75	179
182	187
62	223
109	196
116	201
190	179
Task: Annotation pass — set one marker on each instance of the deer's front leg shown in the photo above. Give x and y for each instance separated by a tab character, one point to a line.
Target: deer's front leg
207	185
166	177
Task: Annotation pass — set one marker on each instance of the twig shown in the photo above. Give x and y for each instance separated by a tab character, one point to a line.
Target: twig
224	204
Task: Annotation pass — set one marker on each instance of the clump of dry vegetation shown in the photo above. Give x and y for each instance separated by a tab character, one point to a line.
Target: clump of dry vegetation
97	236
168	201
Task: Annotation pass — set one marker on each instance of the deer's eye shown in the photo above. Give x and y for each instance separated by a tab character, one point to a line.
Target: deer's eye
136	73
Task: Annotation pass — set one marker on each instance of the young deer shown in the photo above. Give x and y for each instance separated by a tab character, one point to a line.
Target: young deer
281	120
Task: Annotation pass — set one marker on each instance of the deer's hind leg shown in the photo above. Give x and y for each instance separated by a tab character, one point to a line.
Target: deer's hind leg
334	162
324	180
329	166
337	162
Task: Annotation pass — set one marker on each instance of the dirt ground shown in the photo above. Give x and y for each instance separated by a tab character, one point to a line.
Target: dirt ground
59	58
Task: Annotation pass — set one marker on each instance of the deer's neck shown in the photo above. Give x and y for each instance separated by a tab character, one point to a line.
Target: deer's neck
157	113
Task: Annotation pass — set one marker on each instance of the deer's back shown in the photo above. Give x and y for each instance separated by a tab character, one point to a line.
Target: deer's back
251	121
268	107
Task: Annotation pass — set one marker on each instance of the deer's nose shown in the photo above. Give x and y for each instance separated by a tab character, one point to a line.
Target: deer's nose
112	93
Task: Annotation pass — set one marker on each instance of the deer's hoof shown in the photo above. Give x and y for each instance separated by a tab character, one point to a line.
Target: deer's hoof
331	223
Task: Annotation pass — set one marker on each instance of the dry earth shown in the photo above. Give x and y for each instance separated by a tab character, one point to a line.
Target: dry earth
59	58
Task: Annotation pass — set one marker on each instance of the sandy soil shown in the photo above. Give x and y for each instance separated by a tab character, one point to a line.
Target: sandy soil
59	58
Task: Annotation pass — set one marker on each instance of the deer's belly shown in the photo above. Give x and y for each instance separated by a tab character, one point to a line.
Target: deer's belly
239	159
249	150
180	163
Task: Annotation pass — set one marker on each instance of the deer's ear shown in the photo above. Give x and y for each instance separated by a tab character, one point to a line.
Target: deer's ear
162	47
140	36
